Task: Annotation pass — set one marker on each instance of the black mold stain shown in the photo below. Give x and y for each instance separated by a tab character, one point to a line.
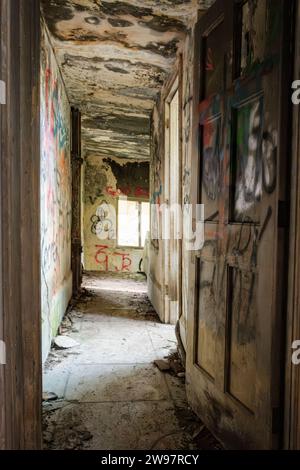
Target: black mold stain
122	8
130	125
163	24
167	50
80	7
131	175
55	11
95	183
80	35
118	23
111	68
153	71
174	2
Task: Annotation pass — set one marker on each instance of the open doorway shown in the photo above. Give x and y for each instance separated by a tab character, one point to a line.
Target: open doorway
172	212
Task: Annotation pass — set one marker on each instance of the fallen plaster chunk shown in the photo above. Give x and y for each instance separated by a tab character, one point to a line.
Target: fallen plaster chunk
65	342
163	366
49	396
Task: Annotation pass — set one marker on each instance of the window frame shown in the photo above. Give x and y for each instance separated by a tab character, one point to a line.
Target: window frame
139	201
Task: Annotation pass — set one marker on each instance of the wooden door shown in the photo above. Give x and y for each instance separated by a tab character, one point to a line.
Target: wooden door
234	337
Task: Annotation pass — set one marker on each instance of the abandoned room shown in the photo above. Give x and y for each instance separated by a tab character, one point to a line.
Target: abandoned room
149	225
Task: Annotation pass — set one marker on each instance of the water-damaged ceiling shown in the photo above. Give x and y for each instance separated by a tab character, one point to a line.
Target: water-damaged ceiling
114	57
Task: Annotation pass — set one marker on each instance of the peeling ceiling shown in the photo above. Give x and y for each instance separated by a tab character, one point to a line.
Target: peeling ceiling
114	57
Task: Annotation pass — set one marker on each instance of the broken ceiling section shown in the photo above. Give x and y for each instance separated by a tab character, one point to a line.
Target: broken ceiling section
114	57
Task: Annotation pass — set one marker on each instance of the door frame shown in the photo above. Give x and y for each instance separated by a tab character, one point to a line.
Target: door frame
292	377
175	85
20	311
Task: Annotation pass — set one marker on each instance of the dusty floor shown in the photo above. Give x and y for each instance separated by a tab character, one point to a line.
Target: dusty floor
107	393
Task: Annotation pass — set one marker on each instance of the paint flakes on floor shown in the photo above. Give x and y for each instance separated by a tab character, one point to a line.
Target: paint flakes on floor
110	393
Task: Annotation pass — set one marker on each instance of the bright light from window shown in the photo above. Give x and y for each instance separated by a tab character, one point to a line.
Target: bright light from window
133	222
145	221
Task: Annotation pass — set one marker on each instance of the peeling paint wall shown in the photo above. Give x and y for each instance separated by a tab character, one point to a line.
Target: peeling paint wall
115	57
56	276
105	179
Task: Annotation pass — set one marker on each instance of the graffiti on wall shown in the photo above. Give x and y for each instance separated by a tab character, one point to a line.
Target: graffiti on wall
138	192
104	222
120	261
269	159
248	158
55	178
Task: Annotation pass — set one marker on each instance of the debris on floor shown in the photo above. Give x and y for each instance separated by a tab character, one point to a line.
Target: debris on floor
64	342
171	364
49	396
71	435
162	365
123	386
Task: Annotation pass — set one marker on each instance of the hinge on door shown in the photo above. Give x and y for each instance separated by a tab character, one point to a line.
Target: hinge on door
167	123
276	420
283	214
2	92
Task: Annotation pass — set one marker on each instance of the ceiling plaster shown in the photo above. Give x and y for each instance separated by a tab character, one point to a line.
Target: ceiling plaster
114	57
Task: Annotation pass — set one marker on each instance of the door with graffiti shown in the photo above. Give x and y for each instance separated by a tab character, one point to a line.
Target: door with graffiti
235	344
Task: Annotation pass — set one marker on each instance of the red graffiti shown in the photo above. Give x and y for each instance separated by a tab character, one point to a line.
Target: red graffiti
127	191
102	258
141	192
112	192
103	261
126	262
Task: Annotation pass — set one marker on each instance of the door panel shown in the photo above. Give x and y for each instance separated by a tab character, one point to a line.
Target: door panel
206	321
241	335
232	337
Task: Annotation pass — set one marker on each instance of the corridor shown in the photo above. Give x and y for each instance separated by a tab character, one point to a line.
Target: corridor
149	224
105	392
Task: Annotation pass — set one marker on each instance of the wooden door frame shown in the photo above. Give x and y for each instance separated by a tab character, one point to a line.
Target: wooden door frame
20	312
292	379
174	85
76	163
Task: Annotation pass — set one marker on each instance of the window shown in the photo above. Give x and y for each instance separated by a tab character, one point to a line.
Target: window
133	222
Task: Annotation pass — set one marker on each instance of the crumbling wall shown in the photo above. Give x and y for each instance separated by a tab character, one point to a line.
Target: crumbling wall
105	179
56	276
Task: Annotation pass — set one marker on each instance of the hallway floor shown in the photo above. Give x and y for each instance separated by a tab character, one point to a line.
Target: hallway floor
105	392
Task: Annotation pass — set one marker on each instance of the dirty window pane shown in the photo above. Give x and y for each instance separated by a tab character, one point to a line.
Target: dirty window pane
253	33
145	221
128	223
